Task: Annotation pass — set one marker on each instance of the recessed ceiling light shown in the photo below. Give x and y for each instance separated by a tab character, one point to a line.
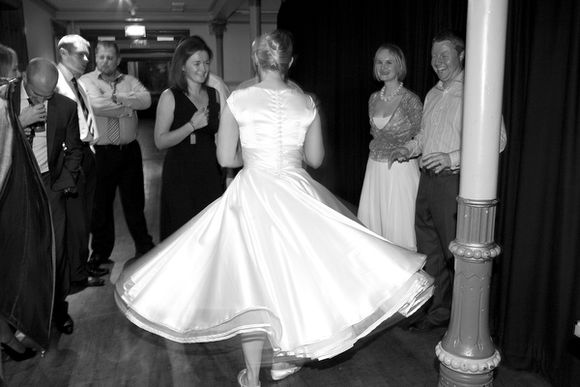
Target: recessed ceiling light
177	6
135	31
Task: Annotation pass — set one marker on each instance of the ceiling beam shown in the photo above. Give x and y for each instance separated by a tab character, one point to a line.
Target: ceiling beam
223	9
104	16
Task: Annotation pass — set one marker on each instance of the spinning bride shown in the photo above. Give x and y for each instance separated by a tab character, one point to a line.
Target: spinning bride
277	257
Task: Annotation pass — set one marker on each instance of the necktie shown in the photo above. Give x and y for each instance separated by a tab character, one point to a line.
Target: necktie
113	129
35	127
81	100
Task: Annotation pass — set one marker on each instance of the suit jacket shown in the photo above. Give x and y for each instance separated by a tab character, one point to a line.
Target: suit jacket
65	88
63	142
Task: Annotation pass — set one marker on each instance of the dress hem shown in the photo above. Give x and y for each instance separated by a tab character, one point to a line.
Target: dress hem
414	293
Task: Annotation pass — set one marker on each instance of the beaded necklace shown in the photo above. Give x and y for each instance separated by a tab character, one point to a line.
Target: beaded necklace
390	97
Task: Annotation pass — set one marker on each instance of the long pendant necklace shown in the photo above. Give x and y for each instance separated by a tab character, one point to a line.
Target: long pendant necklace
390	97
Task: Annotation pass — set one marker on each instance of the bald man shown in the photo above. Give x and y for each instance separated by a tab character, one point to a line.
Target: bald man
50	122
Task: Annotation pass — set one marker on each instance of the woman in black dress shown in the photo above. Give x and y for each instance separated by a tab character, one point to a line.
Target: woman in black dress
186	123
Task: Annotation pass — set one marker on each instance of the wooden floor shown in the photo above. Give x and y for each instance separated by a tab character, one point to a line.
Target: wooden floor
107	350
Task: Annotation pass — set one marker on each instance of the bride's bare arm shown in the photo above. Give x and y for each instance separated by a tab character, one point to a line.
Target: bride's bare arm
228	154
313	144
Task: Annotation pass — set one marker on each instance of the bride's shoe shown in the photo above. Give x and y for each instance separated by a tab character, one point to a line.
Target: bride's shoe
282	370
243	379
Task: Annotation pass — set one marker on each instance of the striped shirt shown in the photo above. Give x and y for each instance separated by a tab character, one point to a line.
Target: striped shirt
442	121
131	95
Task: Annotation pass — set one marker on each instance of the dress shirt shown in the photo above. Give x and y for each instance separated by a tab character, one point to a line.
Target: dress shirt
66	88
130	95
442	123
39	144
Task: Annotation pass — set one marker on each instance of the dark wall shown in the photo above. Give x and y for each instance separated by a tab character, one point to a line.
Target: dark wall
12	29
335	42
536	290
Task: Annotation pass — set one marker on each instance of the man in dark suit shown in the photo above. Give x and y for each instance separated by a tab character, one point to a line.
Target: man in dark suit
50	122
73	57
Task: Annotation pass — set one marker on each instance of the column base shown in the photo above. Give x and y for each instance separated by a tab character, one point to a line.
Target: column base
459	371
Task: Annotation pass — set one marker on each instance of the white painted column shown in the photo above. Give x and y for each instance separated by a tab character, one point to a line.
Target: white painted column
255	19
255	26
466	352
217	28
484	73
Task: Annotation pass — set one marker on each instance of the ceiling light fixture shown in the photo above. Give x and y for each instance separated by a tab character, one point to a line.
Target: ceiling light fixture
135	31
177	6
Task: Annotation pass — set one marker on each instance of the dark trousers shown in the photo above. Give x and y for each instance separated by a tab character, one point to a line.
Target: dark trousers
119	166
62	269
435	226
79	212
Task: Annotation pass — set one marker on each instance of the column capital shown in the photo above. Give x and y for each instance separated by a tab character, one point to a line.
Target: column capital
217	27
475	230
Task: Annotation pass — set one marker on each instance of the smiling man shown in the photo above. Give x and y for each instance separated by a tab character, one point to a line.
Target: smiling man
439	146
115	98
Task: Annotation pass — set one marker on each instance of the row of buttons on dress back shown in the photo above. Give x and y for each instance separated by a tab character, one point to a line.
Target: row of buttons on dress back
279	113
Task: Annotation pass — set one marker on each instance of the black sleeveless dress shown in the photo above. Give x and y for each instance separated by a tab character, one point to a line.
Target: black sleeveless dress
192	177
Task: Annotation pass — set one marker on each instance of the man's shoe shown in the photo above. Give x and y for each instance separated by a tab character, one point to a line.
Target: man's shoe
94	281
67	326
13	354
88	282
98	259
407	323
18	356
426	325
95	271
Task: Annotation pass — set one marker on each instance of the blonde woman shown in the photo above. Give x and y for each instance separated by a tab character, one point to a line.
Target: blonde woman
387	202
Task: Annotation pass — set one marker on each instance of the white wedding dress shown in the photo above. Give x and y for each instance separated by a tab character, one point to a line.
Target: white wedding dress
277	253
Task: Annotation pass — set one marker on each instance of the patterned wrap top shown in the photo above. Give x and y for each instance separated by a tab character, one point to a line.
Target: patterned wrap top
404	124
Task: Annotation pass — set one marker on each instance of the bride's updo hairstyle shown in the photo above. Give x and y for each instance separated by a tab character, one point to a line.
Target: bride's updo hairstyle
273	51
